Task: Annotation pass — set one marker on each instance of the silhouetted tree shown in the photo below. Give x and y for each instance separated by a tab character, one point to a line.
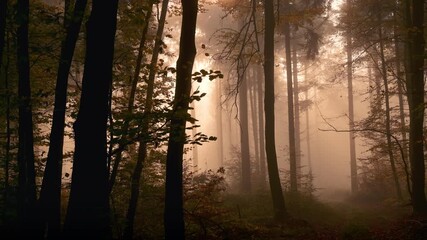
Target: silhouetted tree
142	149
173	215
353	163
414	66
244	129
50	194
88	208
291	120
131	100
270	142
387	106
28	226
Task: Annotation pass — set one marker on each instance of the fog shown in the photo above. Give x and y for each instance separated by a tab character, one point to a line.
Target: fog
330	161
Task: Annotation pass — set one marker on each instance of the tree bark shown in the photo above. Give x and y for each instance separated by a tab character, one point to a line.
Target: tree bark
174	215
50	194
28	226
88	208
270	142
414	66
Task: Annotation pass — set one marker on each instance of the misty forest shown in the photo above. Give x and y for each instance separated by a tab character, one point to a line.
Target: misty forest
213	119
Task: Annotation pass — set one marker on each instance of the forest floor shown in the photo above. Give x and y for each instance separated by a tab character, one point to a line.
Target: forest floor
344	220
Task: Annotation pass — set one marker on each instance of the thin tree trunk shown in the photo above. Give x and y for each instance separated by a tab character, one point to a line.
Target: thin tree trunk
261	135
291	124
88	209
297	115
50	194
142	150
353	163
220	125
28	227
307	126
194	132
131	101
280	213
173	214
414	14
400	94
244	134
253	101
387	112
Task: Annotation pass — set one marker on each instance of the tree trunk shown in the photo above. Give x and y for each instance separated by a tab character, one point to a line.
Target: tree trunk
400	93
220	125
307	127
28	227
387	112
414	14
244	134
253	101
142	150
270	142
50	194
135	79
174	215
353	163
297	117
291	125
88	208
261	135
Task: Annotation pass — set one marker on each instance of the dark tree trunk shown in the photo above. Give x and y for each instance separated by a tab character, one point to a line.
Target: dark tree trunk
142	150
135	79
88	208
270	142
244	134
307	127
387	112
28	226
401	95
261	135
353	163
297	115
414	14
291	124
174	215
50	195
